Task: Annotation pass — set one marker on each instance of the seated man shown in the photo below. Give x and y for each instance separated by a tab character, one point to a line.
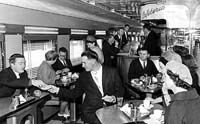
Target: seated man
142	66
100	84
62	63
15	76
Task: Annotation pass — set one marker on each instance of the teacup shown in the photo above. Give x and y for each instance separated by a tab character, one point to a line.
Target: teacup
147	103
157	114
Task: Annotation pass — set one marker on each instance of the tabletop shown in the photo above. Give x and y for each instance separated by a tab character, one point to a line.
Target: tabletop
113	115
148	90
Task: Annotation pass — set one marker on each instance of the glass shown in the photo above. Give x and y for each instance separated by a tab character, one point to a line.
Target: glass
119	101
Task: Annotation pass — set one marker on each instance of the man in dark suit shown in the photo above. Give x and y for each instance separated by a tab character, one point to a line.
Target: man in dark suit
62	63
125	36
118	37
109	51
100	84
14	77
142	66
152	41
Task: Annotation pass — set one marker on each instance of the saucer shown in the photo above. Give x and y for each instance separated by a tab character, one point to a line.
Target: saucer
150	106
155	117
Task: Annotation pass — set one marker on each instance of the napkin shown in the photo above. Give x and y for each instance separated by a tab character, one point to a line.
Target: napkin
21	99
126	109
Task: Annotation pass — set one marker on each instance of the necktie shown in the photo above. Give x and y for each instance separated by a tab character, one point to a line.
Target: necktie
64	62
144	65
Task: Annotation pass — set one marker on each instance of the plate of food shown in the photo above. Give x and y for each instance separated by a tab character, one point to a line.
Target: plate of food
152	86
136	82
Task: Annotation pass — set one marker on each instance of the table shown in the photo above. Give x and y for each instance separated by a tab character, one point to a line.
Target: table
31	107
146	90
72	103
113	115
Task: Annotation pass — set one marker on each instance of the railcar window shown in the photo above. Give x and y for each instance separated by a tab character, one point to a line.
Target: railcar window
1	55
34	52
76	48
100	42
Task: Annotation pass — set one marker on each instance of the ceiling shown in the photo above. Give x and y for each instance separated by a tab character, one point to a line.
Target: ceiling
131	8
127	8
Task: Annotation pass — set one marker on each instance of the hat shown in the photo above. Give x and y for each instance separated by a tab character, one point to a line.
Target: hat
181	70
99	52
90	39
171	55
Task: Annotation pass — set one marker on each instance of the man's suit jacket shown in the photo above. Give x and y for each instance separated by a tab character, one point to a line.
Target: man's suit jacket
125	39
111	83
9	82
152	44
136	70
117	38
58	65
109	53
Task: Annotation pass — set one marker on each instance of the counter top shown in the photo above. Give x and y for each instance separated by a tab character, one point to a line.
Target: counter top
5	103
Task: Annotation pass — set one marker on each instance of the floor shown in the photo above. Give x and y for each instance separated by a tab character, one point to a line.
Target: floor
57	120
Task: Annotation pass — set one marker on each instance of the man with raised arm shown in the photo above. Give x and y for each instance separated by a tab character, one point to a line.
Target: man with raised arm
100	84
15	76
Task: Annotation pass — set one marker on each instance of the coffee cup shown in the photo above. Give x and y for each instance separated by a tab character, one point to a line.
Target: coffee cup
157	114
146	103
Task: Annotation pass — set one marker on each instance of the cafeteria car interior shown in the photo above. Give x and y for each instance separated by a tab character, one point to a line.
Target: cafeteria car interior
31	28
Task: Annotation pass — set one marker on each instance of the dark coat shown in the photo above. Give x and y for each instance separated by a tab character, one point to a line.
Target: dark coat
58	65
184	108
125	39
152	44
136	70
110	54
9	82
111	83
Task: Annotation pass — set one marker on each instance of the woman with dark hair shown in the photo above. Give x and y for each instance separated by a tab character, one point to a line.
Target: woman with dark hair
191	63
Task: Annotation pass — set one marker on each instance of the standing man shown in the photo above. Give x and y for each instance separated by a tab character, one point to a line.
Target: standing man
110	52
118	37
15	76
100	84
125	37
142	65
62	63
152	42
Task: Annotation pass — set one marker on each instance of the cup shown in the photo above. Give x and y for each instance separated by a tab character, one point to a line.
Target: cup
37	93
119	101
146	103
157	114
69	74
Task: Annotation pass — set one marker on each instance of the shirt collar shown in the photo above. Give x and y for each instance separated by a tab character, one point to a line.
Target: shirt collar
97	71
17	74
142	61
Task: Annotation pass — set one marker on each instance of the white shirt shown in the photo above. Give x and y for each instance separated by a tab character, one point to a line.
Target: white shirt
17	75
97	76
63	62
142	63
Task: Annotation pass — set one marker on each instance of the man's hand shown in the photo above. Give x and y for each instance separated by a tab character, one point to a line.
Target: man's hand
109	98
53	89
37	83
